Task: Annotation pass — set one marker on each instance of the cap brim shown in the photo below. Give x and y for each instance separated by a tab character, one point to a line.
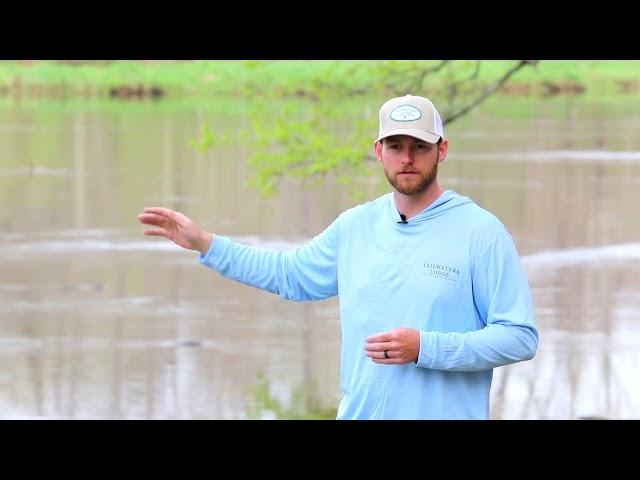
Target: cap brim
419	134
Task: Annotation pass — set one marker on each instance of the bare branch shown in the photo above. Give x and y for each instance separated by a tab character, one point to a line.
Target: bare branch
428	71
453	88
415	84
491	90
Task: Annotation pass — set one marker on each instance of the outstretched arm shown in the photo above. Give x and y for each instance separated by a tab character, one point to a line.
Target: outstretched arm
306	273
177	227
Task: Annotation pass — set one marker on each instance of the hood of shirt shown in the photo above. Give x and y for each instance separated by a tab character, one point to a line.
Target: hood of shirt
448	200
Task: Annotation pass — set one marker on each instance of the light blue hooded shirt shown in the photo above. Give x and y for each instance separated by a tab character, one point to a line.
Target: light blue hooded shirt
452	272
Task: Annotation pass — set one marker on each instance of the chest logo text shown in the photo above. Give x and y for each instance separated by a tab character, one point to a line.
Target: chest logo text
441	271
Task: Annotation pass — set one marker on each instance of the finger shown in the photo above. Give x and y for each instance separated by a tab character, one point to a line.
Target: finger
160	232
378	357
379	352
379	337
377	347
165	212
151	218
383	361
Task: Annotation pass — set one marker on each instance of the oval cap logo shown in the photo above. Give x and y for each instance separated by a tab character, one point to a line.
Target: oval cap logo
405	113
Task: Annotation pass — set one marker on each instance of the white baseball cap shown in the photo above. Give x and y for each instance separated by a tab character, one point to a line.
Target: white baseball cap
410	115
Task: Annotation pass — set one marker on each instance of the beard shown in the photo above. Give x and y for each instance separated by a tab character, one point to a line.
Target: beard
416	184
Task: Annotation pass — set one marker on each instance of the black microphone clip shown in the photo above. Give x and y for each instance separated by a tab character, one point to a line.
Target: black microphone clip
403	218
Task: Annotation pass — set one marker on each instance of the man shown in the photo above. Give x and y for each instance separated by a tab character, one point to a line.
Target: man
432	292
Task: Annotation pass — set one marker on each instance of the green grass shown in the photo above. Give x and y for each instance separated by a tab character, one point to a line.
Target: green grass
599	77
301	406
189	77
245	77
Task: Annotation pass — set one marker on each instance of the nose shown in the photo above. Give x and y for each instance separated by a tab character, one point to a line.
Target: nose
407	156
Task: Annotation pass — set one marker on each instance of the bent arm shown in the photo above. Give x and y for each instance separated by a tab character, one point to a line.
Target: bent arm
504	306
306	273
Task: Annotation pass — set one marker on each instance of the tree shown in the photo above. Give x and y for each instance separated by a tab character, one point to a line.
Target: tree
318	138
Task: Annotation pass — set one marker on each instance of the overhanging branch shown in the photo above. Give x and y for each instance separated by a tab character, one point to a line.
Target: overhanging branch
491	90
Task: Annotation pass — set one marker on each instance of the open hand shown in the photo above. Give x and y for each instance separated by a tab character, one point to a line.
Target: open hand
177	227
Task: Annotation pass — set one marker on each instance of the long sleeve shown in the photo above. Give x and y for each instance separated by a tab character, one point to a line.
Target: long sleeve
306	273
506	314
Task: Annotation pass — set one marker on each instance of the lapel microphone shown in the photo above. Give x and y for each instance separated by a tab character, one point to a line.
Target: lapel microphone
403	218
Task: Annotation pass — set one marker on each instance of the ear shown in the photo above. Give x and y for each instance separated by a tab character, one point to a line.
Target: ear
444	148
378	150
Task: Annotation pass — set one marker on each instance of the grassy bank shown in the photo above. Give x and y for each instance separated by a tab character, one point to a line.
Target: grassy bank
57	79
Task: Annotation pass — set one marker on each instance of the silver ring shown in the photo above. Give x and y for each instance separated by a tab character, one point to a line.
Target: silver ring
386	355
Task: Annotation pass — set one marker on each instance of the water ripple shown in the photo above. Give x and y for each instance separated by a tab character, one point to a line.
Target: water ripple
35	170
549	258
555	155
76	245
576	256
